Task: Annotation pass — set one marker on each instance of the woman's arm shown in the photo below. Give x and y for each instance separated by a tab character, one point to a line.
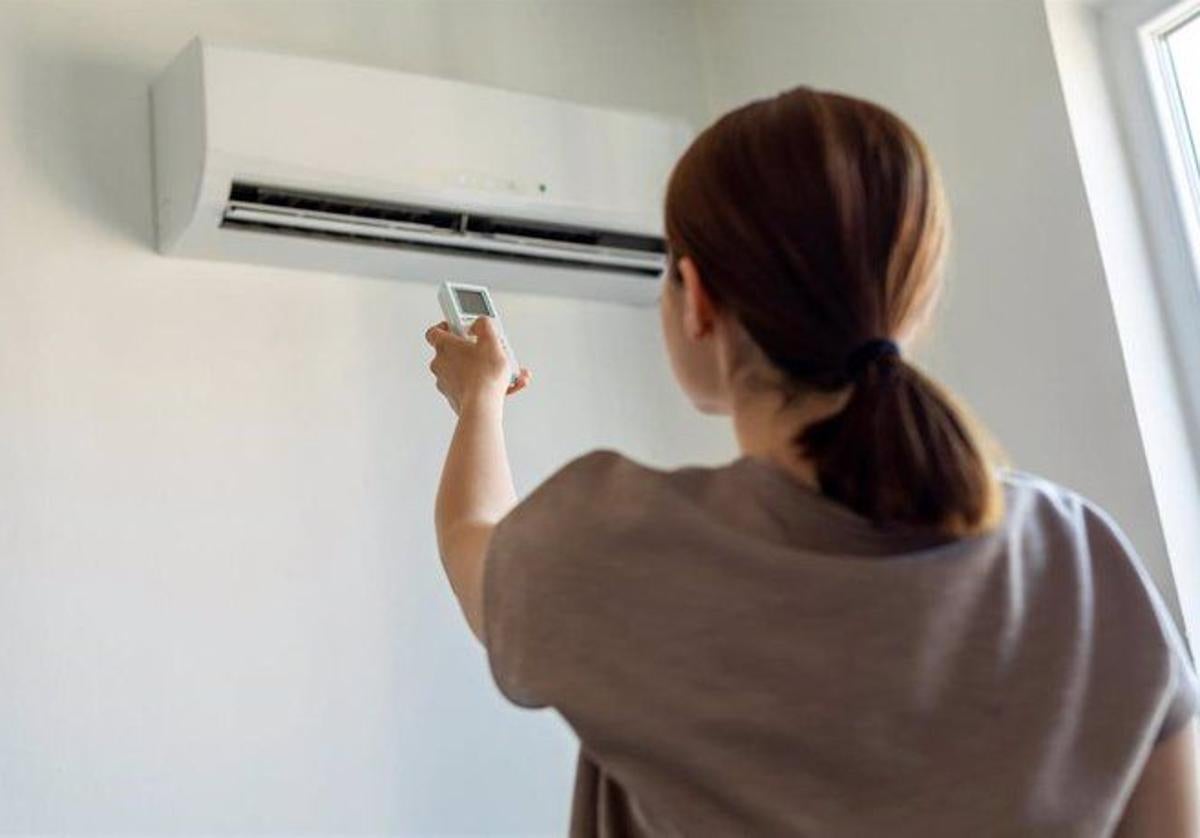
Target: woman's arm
476	491
476	488
1164	804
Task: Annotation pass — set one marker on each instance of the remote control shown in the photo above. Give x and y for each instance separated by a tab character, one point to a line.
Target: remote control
462	303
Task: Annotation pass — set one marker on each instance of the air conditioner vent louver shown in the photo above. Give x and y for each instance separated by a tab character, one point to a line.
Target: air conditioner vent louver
299	212
287	199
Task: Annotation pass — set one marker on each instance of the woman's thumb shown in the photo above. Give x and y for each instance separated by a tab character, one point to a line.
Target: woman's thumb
483	328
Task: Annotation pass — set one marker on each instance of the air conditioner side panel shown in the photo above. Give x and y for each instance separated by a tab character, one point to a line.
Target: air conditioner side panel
179	144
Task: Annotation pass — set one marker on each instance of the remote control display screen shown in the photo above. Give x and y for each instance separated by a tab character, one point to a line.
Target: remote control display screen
472	302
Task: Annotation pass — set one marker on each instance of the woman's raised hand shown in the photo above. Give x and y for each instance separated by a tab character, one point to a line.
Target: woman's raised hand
472	370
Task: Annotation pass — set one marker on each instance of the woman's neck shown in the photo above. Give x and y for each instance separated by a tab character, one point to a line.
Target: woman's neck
766	427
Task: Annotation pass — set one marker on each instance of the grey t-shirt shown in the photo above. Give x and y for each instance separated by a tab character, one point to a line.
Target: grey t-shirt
741	656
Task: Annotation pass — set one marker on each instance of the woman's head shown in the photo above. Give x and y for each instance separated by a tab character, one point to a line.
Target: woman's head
806	232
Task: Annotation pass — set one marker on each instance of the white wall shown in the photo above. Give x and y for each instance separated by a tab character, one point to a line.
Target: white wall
1027	336
220	606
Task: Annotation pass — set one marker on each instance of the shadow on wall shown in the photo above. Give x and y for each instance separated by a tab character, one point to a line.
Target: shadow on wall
83	114
83	123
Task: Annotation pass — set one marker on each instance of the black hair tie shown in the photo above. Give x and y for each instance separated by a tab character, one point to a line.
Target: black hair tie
868	353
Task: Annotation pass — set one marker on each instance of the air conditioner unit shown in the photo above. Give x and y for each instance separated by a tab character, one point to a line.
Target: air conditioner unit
307	163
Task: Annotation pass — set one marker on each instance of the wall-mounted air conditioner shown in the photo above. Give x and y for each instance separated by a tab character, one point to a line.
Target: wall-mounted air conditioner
314	164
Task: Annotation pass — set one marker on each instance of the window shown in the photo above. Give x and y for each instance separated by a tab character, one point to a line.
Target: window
1172	43
1164	132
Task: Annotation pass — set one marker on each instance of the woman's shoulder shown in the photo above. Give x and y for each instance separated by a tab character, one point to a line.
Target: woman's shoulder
581	486
1034	491
1057	525
591	473
1064	537
1099	580
605	491
606	468
1036	503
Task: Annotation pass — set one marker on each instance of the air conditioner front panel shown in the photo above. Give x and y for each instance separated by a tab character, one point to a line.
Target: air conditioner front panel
426	135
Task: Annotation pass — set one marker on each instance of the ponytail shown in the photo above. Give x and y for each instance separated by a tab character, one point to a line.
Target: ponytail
902	452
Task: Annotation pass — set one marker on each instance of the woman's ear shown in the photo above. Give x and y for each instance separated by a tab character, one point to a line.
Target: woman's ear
699	311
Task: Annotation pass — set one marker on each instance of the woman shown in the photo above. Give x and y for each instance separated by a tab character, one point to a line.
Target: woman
857	628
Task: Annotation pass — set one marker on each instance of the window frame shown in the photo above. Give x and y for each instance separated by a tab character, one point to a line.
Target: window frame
1176	132
1151	112
1129	48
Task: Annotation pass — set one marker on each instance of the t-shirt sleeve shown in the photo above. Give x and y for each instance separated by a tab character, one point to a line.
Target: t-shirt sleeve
536	580
1181	691
1184	697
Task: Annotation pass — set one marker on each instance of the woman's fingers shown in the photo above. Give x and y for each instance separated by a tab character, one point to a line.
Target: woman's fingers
439	335
482	326
435	332
523	379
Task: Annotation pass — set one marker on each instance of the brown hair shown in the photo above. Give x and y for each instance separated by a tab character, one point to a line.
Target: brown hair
818	220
